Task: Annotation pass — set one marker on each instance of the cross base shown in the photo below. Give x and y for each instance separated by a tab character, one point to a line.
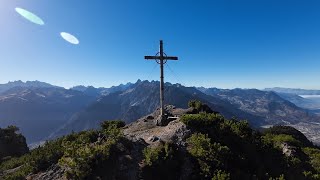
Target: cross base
161	120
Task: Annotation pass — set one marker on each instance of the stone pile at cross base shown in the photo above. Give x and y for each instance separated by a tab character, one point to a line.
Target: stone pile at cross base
146	128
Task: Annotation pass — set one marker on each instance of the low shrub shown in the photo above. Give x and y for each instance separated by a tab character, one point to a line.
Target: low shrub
209	155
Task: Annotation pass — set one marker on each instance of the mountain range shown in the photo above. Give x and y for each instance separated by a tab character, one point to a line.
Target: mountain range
37	111
27	84
294	91
43	111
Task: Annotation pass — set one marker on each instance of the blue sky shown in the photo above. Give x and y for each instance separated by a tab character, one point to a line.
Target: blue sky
220	43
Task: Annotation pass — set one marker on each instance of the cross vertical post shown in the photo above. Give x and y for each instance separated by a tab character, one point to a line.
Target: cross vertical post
161	59
161	81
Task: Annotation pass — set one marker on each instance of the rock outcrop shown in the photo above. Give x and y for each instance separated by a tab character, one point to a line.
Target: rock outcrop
55	172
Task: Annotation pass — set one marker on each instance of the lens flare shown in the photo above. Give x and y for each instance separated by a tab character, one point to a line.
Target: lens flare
29	16
69	38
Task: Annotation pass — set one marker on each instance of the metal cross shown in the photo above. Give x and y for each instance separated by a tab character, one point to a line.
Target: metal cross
161	58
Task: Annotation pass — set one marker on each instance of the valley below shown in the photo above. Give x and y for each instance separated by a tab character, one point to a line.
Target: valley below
310	130
309	100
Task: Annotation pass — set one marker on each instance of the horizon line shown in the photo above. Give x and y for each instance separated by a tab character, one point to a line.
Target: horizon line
70	87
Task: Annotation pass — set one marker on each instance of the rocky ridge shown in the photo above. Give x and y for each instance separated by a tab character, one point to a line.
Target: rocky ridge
140	134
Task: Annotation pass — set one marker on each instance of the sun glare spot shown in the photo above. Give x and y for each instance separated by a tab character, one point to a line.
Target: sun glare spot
29	16
69	38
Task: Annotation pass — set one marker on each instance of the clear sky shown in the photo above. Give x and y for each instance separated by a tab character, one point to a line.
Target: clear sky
220	43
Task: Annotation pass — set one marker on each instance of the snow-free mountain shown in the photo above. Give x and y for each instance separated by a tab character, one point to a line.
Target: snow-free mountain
43	111
38	84
38	111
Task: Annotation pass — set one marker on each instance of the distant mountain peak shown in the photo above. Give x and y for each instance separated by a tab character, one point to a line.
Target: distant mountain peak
27	84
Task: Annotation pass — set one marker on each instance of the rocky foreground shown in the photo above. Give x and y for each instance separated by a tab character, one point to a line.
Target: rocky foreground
142	133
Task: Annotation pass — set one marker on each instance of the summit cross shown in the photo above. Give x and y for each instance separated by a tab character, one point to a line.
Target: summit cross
161	58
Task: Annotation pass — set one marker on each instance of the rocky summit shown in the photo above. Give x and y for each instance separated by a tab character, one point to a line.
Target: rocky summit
192	143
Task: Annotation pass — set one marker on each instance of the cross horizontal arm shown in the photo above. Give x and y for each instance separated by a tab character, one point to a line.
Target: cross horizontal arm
151	57
171	58
164	58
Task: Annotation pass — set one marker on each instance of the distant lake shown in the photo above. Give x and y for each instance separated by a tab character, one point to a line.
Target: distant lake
310	96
